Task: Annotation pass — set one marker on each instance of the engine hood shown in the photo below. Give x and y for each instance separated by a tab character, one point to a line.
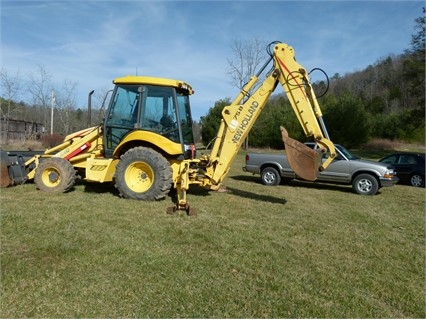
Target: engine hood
372	164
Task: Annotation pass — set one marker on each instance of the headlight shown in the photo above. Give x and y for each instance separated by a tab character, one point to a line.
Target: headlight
389	173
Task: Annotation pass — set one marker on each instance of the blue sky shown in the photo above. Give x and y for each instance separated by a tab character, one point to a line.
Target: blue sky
92	42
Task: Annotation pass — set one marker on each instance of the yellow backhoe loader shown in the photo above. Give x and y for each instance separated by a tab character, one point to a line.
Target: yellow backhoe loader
145	144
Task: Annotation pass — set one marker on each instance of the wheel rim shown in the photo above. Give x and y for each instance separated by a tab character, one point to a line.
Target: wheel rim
139	177
416	180
51	177
269	178
364	185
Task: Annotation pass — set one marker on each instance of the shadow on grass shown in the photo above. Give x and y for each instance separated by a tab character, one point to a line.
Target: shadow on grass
258	197
99	188
315	185
193	190
298	183
247	178
201	191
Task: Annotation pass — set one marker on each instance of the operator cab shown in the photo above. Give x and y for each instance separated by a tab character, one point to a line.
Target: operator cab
156	105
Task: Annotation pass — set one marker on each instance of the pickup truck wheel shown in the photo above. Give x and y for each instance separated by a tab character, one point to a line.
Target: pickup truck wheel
365	184
143	174
55	174
270	176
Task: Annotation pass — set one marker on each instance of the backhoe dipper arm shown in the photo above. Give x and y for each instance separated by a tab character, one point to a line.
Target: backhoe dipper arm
238	119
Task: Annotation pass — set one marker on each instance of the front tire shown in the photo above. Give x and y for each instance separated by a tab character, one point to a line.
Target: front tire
365	184
270	176
143	174
54	175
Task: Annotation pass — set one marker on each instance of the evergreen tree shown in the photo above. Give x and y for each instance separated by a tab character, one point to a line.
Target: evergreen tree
347	121
266	131
210	123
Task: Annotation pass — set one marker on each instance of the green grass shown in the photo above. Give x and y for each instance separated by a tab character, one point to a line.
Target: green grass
298	250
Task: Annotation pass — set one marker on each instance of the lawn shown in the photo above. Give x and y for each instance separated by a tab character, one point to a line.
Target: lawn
297	250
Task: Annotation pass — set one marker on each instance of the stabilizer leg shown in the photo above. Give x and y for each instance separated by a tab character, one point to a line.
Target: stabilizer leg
181	187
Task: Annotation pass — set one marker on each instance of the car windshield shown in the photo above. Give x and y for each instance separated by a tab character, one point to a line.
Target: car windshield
346	153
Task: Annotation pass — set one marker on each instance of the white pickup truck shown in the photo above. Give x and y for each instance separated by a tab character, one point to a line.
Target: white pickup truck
366	177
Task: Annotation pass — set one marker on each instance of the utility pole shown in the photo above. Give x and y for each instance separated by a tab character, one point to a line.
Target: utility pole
51	113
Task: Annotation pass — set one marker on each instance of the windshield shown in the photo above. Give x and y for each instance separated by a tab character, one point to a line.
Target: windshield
346	153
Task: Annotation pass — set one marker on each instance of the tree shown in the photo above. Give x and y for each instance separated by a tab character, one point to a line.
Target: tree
196	128
414	63
418	39
45	97
266	131
40	89
347	121
10	87
65	107
387	126
210	123
248	55
100	101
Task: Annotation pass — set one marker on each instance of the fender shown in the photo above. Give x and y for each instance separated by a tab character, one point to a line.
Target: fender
162	142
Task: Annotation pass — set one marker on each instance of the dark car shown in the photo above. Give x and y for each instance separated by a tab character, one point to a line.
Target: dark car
409	167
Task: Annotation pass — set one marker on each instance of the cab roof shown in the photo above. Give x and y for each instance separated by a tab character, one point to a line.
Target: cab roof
136	79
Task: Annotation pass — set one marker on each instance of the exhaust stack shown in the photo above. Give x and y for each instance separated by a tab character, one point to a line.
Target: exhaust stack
89	108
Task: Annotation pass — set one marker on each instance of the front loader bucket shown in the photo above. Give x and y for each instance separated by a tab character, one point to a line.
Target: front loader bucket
4	170
304	161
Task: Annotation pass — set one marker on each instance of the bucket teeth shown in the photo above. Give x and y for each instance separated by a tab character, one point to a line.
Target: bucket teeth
304	161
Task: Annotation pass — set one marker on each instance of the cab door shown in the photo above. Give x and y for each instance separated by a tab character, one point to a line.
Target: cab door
338	170
122	116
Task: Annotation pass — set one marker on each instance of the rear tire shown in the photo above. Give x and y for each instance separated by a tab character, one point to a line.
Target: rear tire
365	184
417	180
270	176
54	175
143	174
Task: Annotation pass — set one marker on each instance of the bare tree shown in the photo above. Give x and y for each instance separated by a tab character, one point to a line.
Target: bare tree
10	86
101	97
65	105
40	88
248	55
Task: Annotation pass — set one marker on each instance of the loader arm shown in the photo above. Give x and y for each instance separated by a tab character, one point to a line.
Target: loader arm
239	117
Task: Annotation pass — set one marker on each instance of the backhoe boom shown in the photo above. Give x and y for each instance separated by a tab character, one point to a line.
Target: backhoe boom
239	117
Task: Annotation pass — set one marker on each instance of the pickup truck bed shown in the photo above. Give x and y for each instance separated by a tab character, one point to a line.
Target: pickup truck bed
366	177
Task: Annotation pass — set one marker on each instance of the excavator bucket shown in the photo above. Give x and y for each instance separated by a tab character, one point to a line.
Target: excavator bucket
304	161
4	170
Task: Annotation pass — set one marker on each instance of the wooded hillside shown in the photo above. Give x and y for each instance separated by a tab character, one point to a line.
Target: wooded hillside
386	100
